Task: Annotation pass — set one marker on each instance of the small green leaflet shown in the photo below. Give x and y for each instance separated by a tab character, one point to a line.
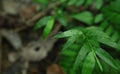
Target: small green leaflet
118	63
98	62
68	53
98	18
41	1
72	72
62	19
88	64
98	3
103	25
119	45
69	42
93	45
79	2
73	32
88	2
42	22
48	22
109	30
72	2
102	37
48	27
85	17
115	6
115	36
106	57
111	15
81	55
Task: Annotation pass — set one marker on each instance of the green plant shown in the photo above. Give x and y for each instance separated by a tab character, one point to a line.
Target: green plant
83	50
90	42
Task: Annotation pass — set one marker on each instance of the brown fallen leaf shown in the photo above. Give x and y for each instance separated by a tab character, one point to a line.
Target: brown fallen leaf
55	69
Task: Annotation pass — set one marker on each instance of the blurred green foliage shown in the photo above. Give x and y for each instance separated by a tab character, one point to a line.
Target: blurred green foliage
92	33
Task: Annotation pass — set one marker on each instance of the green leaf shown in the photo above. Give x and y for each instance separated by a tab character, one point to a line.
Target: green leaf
118	63
112	14
102	37
71	2
99	4
106	57
115	5
63	1
85	17
42	22
88	64
93	46
80	2
69	42
67	53
103	25
81	55
73	32
98	18
41	1
72	72
62	20
88	2
115	36
98	62
119	44
48	27
109	30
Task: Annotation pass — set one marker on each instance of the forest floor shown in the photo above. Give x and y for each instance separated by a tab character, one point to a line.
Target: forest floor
15	35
